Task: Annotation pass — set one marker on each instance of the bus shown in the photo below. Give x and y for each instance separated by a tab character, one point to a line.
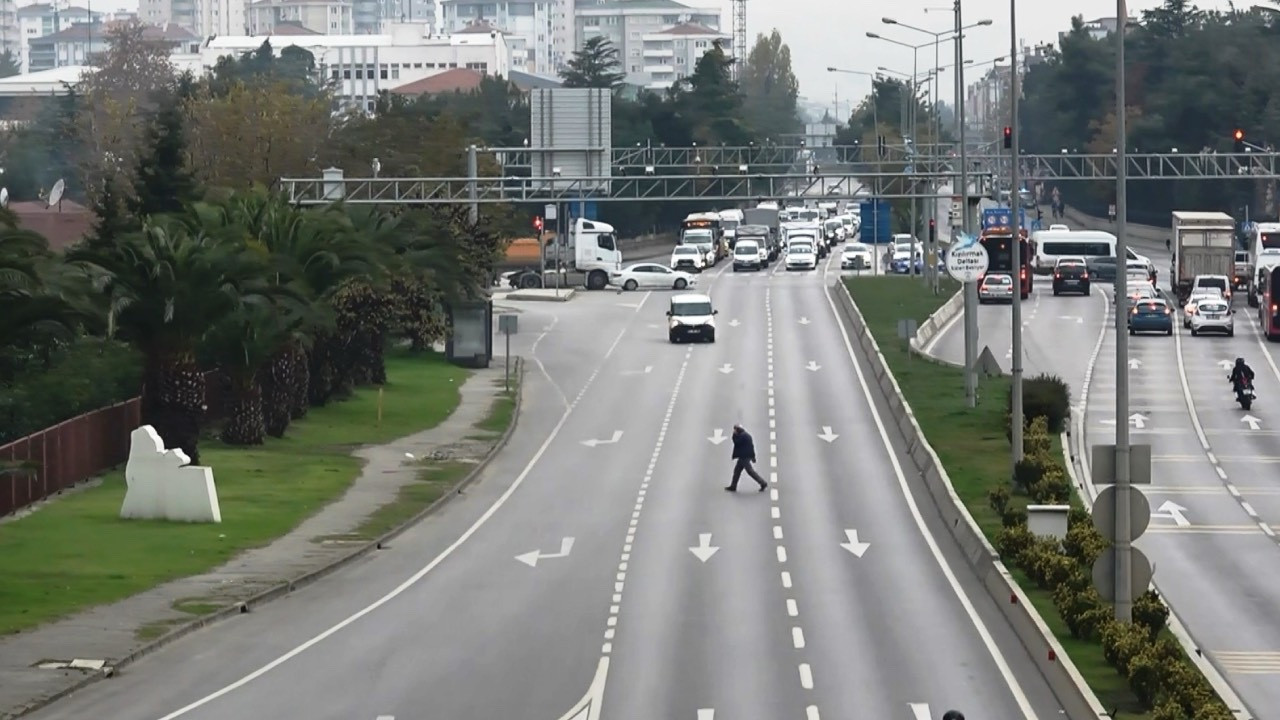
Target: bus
1053	244
1269	308
997	242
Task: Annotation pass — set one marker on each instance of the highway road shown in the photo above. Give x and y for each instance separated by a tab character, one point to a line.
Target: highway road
600	570
1215	517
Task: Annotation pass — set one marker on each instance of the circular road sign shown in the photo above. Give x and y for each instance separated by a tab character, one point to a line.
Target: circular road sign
968	263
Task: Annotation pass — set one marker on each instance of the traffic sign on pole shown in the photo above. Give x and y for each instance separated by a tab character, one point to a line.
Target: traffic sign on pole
1104	574
1104	513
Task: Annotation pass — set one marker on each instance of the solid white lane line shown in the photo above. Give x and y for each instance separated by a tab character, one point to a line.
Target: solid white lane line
417	576
1015	688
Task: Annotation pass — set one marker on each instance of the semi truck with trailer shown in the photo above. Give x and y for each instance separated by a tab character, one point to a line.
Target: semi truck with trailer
586	258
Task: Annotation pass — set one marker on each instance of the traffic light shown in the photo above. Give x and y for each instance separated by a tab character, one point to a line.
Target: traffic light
537	223
1008	138
933	231
1238	136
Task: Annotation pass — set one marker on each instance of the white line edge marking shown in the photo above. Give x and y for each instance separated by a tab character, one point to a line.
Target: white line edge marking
417	576
1019	696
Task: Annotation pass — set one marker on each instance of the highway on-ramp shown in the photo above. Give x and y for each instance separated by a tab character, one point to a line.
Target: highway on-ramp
600	569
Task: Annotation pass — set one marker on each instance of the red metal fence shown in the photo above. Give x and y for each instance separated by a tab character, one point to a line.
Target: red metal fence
56	458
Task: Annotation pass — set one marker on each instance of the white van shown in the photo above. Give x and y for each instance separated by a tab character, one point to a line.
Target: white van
691	318
1053	244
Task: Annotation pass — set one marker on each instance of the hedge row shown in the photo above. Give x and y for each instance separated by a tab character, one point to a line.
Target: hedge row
79	377
1151	660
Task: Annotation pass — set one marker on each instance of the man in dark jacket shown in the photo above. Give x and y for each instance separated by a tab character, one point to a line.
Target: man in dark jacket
744	452
1241	375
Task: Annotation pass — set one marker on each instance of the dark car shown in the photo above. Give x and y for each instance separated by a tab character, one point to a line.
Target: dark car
1151	315
1102	269
1070	276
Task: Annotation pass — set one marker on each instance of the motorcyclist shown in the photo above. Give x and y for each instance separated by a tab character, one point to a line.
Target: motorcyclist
1241	375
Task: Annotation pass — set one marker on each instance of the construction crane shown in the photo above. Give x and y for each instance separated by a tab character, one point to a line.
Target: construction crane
740	49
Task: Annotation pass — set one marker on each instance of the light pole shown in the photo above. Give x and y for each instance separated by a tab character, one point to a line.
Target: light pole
1015	246
936	125
1124	558
970	289
875	121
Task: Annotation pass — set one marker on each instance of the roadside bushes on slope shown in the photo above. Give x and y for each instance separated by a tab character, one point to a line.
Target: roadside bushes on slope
1046	396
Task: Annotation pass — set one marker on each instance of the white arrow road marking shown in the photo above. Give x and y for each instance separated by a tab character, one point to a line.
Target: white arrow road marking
1254	423
631	305
1134	364
813	366
1226	364
734	323
920	711
647	369
1079	320
617	435
531	558
827	435
704	549
853	546
726	368
588	708
804	321
1172	511
654	326
706	714
386	717
1139	420
718	437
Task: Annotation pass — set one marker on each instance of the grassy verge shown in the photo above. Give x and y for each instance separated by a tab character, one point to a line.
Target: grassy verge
76	553
973	448
436	478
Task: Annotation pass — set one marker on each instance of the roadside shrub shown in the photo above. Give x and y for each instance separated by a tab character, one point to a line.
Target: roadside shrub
1079	516
999	498
1053	488
1037	443
1046	565
80	376
1012	541
1046	396
1150	612
1083	543
1026	473
1014	517
1121	642
1081	609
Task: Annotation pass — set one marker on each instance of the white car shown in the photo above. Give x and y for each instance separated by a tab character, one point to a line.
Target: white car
1214	316
649	275
855	256
1193	302
801	256
690	258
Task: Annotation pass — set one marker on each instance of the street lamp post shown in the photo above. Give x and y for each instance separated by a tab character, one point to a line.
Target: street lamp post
1124	558
875	121
1015	246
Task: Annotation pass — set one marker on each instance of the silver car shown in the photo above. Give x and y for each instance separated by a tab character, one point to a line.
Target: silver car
996	287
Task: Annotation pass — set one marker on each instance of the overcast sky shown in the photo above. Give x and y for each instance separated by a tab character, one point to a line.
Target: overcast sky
823	33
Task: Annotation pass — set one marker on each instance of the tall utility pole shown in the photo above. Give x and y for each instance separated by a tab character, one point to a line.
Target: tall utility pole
966	226
740	48
1124	558
1015	246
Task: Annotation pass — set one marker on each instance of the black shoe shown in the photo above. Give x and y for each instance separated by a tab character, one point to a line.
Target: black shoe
763	487
731	489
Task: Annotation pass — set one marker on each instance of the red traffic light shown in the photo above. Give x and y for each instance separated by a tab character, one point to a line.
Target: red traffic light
1008	132
537	223
932	223
1239	135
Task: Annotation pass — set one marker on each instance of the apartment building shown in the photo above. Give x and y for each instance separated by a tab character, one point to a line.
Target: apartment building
528	25
201	17
41	19
669	55
325	17
78	43
626	23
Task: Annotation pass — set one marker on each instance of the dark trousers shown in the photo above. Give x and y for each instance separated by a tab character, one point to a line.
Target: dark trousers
745	464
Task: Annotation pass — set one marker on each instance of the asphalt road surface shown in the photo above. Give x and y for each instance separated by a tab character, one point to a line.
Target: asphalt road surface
600	570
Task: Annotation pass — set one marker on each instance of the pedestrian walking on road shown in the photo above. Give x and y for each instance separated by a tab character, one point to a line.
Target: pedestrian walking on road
744	452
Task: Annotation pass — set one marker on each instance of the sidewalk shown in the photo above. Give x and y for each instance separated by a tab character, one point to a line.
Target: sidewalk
33	664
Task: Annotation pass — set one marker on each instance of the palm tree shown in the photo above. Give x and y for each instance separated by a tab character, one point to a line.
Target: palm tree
42	305
165	286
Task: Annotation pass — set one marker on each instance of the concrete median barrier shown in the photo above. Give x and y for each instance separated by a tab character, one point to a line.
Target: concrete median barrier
1068	685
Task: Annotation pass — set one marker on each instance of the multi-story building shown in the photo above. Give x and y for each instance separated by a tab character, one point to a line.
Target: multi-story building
395	12
360	66
10	28
327	17
526	23
202	17
78	43
669	55
41	19
1101	27
626	23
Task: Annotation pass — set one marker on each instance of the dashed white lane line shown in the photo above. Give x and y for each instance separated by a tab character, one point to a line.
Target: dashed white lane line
793	610
624	559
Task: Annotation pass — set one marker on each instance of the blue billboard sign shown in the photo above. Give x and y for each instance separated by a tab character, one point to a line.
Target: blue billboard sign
876	222
1003	217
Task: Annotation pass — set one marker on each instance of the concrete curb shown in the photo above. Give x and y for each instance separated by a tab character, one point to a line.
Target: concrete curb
1075	446
934	324
285	588
1078	701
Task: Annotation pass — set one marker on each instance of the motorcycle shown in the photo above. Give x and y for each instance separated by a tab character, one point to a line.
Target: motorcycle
1245	395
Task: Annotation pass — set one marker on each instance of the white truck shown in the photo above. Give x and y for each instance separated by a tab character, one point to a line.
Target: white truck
1203	244
729	222
590	254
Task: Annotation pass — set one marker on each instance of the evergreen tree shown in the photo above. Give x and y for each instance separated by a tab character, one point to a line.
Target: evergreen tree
9	65
770	87
596	65
164	181
713	100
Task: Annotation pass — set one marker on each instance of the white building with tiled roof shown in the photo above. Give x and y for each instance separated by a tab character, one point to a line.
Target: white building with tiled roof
670	55
628	24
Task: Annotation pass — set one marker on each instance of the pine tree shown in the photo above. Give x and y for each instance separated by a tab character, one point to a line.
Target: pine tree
596	65
164	180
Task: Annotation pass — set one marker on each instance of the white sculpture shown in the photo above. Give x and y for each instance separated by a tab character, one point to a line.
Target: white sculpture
164	485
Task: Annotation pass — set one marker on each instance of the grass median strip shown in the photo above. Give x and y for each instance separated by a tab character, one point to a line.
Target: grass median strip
974	448
77	553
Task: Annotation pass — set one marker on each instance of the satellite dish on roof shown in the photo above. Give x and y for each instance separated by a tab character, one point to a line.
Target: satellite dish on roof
55	195
4	197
